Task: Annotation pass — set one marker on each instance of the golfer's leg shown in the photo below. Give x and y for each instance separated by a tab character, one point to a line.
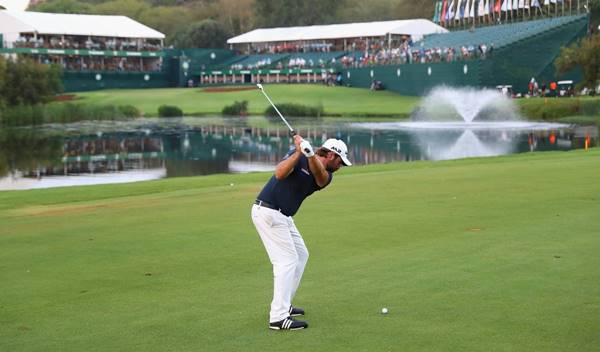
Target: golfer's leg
302	252
272	227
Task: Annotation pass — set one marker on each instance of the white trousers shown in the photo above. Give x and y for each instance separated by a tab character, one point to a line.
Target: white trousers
288	254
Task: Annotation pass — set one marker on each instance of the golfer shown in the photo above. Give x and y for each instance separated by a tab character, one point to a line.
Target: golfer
301	172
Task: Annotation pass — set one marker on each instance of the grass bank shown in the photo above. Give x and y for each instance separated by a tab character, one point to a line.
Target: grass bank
581	110
336	101
479	254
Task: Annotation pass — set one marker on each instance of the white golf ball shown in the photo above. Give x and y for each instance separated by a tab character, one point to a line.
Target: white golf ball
384	310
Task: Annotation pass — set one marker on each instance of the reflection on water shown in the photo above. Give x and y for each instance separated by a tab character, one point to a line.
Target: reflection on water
146	149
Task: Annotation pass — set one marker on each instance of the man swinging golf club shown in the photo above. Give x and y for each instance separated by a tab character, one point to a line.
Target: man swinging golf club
301	172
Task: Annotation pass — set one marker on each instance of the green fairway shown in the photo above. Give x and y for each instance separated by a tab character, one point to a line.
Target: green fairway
196	101
495	254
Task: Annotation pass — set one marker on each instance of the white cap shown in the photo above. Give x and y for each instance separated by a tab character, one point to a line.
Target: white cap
339	147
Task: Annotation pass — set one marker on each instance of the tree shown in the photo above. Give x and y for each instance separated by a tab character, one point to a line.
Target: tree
27	82
2	81
235	15
286	13
203	34
62	6
584	55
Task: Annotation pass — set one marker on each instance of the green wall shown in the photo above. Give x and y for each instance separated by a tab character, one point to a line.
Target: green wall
416	79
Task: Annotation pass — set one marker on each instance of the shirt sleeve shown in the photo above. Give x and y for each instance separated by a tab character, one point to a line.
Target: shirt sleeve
289	153
328	181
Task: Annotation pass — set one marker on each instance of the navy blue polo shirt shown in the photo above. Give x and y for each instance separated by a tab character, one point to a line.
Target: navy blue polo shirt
289	193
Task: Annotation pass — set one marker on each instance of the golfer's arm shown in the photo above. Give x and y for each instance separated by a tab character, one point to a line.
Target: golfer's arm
318	170
285	167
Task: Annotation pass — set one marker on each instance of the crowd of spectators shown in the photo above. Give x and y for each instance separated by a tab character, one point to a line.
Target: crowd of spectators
114	64
87	43
405	54
369	53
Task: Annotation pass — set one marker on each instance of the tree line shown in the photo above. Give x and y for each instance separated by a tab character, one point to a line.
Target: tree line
209	23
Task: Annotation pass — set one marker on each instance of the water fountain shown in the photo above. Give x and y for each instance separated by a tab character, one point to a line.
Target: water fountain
453	123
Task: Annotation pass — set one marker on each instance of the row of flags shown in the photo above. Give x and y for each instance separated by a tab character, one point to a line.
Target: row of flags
448	11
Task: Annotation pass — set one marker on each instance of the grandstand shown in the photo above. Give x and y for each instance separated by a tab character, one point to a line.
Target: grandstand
408	56
408	63
88	47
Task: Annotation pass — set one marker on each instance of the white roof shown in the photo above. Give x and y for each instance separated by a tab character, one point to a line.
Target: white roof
415	28
69	24
14	4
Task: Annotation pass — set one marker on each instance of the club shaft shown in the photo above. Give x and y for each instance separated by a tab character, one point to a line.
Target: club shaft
280	115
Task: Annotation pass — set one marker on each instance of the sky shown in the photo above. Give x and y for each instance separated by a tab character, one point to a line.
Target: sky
14	4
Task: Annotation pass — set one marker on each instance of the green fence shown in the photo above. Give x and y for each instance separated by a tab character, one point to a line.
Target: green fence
84	81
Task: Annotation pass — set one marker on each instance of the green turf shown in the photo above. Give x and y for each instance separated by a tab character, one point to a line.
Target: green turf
497	254
195	101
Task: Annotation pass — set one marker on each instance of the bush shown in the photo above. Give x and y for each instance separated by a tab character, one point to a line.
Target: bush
239	108
295	110
130	111
169	111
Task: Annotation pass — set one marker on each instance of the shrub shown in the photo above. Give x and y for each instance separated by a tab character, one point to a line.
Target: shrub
239	108
169	111
295	110
130	111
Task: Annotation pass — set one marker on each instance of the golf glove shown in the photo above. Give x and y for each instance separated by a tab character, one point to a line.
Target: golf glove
307	149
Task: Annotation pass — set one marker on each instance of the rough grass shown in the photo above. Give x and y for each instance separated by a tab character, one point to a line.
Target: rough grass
470	255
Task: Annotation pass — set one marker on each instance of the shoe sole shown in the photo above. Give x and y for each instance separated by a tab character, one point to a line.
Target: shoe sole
296	315
276	328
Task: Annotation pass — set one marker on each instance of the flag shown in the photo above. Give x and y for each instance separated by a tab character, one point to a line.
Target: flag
443	13
450	12
457	15
470	9
436	14
498	6
463	5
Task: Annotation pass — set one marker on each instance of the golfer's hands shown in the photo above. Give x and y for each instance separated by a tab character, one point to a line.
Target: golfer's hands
307	149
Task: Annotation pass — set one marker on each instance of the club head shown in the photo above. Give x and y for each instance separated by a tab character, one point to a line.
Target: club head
259	86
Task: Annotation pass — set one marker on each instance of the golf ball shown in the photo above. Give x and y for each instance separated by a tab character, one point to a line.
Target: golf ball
384	310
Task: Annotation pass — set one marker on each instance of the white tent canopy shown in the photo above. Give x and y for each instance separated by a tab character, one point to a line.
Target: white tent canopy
415	28
14	22
14	4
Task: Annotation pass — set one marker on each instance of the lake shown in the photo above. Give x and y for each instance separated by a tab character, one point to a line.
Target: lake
147	149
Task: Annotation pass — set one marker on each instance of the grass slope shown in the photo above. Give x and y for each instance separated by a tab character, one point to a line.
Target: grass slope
195	101
470	255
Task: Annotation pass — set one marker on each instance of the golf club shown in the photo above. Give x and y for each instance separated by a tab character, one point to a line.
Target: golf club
260	86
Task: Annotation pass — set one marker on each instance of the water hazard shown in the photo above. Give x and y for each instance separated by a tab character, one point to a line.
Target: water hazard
97	153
